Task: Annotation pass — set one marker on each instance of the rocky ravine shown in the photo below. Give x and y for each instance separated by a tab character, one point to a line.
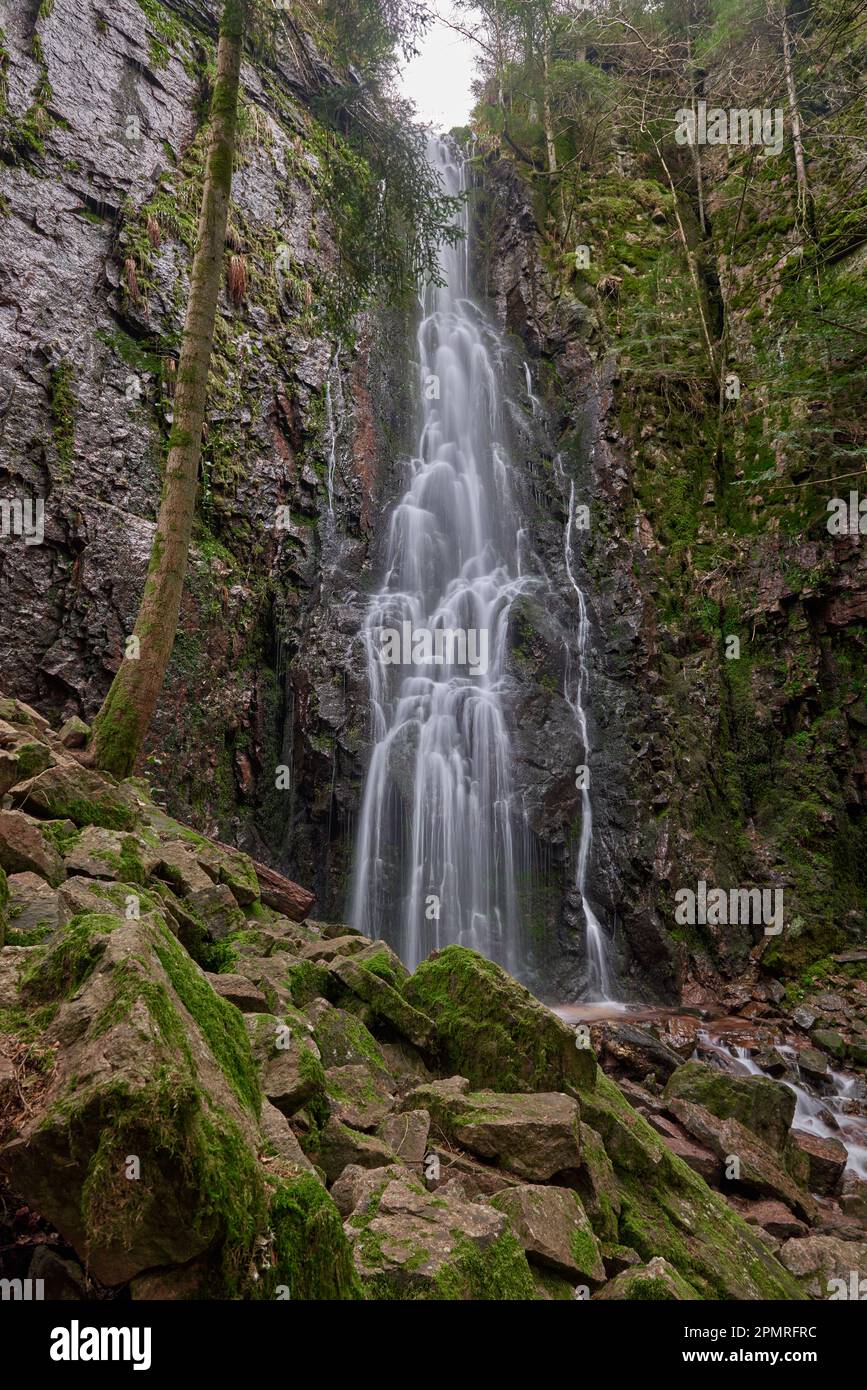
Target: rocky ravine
203	1095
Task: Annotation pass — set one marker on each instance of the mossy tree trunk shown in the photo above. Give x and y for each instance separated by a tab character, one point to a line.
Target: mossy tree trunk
122	723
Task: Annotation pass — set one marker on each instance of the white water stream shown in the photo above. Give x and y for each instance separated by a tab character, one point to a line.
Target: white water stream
442	839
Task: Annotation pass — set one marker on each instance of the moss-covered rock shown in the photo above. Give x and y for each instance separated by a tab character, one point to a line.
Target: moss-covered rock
382	999
553	1229
412	1244
71	792
26	847
666	1209
532	1136
766	1107
492	1030
655	1282
142	1151
312	1258
342	1038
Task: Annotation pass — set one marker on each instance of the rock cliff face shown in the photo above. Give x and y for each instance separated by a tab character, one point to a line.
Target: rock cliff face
103	153
730	764
702	768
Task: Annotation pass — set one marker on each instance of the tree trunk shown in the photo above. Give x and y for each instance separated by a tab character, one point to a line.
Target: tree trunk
122	723
546	113
696	149
805	203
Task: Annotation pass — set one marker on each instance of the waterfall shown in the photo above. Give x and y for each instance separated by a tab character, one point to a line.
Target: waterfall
441	839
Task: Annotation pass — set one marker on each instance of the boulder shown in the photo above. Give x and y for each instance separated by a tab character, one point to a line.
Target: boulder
830	1041
339	1146
696	1156
636	1053
217	908
228	866
24	848
22	760
330	949
760	1169
666	1209
239	991
342	1038
385	1003
553	1229
74	733
359	1096
533	1136
280	1139
33	905
826	1158
72	792
492	1030
100	853
597	1184
657	1281
774	1218
356	1185
407	1134
411	1244
150	1064
766	1107
179	867
813	1063
826	1267
291	1071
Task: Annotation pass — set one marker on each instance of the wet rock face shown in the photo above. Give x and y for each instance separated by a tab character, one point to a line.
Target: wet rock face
561	337
694	774
95	241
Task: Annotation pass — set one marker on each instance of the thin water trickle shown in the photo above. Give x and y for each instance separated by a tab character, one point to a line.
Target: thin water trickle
600	985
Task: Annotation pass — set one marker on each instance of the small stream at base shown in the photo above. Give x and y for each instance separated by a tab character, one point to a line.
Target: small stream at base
833	1107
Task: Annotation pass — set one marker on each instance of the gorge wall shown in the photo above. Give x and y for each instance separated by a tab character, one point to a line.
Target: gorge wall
733	771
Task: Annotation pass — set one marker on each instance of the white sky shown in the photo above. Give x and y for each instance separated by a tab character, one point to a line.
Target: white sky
438	80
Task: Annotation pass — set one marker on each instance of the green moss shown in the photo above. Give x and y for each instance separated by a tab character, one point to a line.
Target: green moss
492	1030
31	758
221	1024
499	1273
344	1040
311	1256
222	1191
33	936
584	1249
63	404
71	957
306	980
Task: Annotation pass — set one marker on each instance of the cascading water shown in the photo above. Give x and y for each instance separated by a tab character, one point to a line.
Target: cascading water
824	1114
599	982
441	840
